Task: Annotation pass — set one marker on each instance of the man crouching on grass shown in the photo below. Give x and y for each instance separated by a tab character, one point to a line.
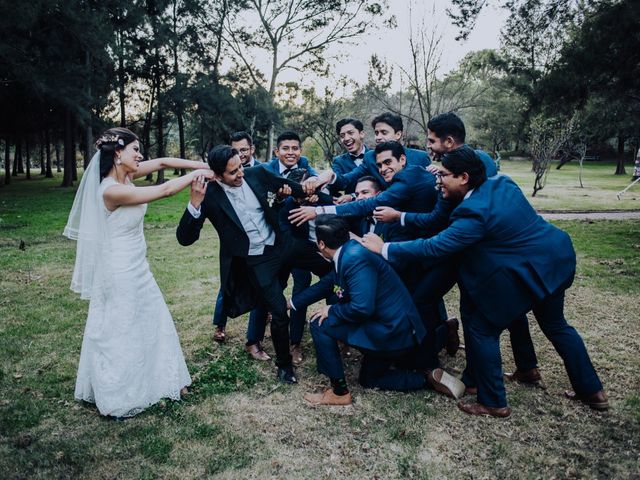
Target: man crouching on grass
374	314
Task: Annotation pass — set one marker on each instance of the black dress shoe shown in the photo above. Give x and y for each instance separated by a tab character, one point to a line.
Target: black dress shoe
286	375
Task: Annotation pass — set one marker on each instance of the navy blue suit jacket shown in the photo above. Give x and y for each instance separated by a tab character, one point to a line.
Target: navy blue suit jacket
344	163
274	166
368	167
510	257
376	311
412	189
428	224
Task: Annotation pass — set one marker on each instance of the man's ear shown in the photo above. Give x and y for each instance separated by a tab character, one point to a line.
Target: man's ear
449	142
464	178
403	160
321	245
398	135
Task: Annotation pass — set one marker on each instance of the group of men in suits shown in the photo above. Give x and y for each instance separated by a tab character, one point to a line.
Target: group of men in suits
476	230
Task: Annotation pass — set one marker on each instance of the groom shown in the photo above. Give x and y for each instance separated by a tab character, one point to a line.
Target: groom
255	254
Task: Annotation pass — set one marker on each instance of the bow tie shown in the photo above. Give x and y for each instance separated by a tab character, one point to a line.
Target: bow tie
287	171
356	157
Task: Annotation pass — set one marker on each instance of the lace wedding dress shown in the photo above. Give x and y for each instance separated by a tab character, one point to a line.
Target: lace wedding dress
131	355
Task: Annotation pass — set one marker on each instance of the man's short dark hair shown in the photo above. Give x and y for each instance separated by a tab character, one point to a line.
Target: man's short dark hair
372	180
396	148
288	135
465	159
219	156
239	136
332	230
448	125
349	121
391	119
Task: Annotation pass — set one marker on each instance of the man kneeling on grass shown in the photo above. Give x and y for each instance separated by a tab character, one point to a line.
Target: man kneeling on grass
374	314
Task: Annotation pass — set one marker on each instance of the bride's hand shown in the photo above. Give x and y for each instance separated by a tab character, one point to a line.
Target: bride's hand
199	186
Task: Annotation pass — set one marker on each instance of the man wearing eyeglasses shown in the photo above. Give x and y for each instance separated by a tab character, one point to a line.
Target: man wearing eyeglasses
243	143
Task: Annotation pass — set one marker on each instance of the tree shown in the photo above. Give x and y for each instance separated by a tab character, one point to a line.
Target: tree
547	138
295	34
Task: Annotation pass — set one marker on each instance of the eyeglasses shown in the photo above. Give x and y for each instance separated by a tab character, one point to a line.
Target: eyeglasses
440	175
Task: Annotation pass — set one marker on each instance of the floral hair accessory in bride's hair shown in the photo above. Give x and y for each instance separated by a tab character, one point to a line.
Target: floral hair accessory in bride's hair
103	140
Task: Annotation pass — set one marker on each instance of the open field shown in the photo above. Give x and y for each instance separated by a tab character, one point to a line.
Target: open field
239	423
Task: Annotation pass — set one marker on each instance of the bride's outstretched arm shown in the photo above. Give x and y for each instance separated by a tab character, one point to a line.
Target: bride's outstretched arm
117	195
150	166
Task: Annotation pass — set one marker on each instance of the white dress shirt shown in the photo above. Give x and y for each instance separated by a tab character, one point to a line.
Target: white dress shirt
251	215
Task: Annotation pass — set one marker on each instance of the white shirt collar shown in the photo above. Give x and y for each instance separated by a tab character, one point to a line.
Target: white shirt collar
282	167
228	188
468	194
336	256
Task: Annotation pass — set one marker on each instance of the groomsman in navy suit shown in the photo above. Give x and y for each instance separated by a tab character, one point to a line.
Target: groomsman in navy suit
510	261
350	131
288	158
386	127
374	314
243	143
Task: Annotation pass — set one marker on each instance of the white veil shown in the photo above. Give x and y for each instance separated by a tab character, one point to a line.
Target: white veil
87	224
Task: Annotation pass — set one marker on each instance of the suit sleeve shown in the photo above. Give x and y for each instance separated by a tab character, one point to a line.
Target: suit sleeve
316	292
360	276
337	167
462	233
188	230
394	196
428	224
349	180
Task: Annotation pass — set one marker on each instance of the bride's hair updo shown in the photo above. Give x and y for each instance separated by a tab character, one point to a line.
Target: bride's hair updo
109	143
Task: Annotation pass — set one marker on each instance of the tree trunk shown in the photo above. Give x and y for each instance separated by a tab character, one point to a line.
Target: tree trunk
28	158
160	139
7	162
16	155
620	167
121	81
43	169
47	144
57	148
69	150
20	159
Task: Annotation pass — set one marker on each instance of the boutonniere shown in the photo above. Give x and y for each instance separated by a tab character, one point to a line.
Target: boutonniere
338	291
271	197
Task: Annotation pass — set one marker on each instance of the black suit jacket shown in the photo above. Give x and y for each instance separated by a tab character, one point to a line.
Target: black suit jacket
239	295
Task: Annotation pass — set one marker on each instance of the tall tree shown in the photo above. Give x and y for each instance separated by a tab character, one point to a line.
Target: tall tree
295	34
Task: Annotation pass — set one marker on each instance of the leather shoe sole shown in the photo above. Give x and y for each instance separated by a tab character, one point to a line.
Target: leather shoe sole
445	383
479	409
328	398
219	335
597	401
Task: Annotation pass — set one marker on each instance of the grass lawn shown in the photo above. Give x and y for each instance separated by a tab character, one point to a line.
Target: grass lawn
239	423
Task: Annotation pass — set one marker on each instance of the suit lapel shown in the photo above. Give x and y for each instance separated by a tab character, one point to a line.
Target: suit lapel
225	204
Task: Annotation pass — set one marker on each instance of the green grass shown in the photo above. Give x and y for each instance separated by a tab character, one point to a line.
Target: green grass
239	423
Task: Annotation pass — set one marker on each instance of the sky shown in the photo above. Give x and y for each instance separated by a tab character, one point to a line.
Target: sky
393	45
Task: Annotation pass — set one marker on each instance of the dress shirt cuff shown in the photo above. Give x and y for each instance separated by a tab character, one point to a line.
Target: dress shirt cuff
331	209
195	212
385	251
402	215
293	307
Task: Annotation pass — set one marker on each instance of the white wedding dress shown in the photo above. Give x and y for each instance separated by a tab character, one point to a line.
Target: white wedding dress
131	355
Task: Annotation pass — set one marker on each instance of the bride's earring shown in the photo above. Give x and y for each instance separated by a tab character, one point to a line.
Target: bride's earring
118	161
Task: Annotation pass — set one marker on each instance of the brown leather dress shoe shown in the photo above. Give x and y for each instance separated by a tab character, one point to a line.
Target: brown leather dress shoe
257	352
328	398
445	383
219	335
453	340
479	409
597	401
528	377
296	354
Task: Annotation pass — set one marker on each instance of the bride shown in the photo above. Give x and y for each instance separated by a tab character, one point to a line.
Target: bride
131	355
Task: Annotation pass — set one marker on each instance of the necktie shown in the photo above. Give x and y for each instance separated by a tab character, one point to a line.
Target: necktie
287	171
